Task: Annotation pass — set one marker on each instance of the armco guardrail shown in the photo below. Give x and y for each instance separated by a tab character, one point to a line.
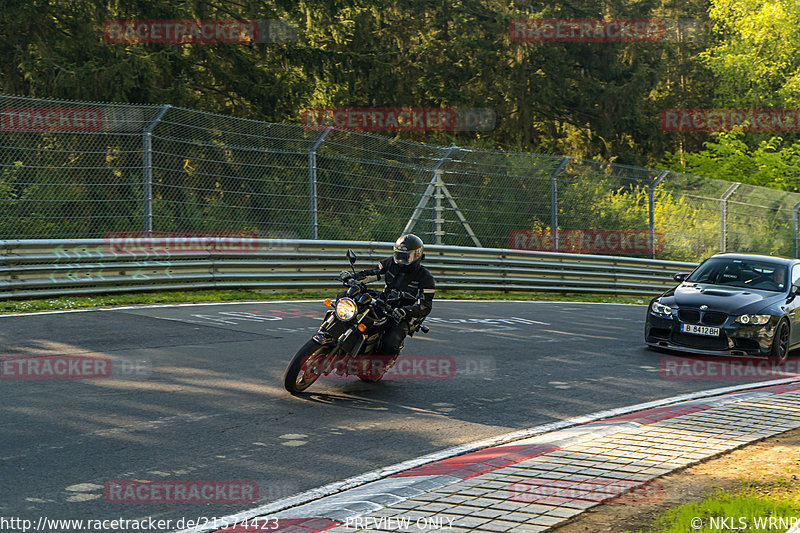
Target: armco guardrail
42	268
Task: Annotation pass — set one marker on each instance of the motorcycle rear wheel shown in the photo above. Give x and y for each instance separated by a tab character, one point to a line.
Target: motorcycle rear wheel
298	376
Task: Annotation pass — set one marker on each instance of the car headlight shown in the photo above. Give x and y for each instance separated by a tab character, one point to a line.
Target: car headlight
346	309
657	308
753	320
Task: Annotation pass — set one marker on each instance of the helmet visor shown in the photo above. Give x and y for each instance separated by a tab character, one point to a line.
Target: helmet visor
406	258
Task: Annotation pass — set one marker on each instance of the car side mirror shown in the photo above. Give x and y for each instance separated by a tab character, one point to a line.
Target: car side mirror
680	278
351	256
794	291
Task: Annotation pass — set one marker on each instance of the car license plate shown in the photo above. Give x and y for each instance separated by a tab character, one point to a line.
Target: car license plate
700	330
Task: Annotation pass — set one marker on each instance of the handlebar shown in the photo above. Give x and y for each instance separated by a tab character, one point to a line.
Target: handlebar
397	295
394	294
378	302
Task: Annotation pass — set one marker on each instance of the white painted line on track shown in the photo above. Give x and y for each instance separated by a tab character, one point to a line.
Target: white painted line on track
539	302
157	306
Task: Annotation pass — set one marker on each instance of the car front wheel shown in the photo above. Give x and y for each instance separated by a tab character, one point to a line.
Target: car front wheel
780	343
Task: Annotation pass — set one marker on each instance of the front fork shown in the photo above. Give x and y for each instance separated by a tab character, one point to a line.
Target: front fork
322	336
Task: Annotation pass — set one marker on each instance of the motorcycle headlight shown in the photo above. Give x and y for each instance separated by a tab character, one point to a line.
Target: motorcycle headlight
753	320
657	308
346	309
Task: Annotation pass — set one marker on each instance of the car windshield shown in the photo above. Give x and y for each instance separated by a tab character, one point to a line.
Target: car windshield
747	273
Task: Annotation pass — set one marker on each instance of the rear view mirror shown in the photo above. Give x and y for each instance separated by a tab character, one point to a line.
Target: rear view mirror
680	278
351	256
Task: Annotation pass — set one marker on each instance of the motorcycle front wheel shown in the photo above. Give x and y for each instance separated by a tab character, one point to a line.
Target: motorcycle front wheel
300	373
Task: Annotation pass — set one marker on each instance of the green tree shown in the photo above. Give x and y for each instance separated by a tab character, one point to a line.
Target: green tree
756	64
582	99
757	61
771	163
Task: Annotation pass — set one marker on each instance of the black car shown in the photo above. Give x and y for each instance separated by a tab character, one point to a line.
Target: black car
732	304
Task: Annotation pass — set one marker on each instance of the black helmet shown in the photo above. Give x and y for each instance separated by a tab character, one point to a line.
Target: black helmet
408	251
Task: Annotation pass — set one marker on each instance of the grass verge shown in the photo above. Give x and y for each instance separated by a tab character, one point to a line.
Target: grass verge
765	508
160	297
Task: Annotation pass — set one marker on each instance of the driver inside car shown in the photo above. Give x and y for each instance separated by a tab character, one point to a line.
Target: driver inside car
778	276
402	272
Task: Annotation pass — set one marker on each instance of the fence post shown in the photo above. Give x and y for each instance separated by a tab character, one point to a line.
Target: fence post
554	204
794	229
723	215
312	182
438	216
651	207
147	168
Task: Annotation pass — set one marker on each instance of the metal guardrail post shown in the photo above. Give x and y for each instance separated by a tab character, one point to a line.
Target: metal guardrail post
312	183
794	229
433	185
554	204
651	210
723	215
147	168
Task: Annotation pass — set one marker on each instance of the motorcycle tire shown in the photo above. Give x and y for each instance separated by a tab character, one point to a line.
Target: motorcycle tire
297	378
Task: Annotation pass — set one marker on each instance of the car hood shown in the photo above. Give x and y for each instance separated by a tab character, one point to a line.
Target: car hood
731	300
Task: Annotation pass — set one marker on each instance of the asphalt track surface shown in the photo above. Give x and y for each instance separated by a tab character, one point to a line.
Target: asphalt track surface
196	393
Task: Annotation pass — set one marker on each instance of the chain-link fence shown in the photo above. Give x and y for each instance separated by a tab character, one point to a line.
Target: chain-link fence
83	170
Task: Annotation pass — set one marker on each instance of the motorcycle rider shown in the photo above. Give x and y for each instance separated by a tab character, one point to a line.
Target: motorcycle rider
402	272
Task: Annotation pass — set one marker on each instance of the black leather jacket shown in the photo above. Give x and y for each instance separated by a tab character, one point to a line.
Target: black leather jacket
419	282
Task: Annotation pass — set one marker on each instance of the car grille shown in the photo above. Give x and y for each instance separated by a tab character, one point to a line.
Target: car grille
689	315
699	341
708	318
713	318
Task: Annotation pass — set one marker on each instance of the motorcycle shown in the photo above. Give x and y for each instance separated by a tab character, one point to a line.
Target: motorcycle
349	336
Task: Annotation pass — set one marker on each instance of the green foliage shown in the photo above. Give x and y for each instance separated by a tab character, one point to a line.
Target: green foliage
197	296
743	509
687	227
593	100
757	60
580	99
771	163
8	189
